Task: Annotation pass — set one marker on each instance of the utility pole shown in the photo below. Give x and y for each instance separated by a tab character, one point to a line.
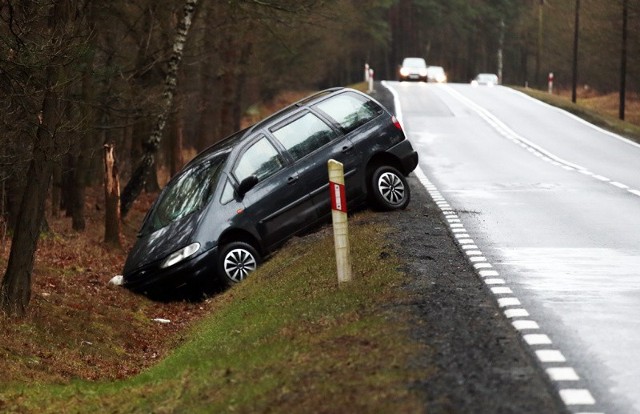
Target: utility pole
500	52
575	53
623	63
539	44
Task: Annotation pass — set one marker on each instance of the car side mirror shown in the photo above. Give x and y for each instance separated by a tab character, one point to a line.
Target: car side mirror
247	184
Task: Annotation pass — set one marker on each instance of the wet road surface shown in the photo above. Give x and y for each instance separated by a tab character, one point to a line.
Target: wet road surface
547	208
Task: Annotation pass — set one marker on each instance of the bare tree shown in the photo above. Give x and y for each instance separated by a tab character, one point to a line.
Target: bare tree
138	179
112	225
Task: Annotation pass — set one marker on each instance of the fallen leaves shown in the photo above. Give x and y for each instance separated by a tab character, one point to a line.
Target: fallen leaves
78	324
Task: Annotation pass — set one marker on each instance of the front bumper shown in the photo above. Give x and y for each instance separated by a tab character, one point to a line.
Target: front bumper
152	279
413	77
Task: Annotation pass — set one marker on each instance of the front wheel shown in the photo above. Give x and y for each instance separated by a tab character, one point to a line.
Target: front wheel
389	189
237	260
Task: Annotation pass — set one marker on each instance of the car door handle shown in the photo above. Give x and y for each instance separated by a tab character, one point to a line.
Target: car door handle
347	148
292	179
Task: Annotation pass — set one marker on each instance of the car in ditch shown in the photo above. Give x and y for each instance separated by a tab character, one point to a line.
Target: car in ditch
239	200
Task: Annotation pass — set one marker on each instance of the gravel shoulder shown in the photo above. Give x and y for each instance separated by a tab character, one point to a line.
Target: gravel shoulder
476	362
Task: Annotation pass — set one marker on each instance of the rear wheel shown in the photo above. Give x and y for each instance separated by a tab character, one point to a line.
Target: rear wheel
237	260
389	189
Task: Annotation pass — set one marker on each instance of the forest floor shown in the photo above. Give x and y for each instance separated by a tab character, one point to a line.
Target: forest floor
79	327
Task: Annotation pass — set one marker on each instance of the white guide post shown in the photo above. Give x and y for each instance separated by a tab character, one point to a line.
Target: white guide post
339	217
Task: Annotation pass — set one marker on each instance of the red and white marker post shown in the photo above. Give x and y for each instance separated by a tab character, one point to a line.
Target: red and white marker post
339	217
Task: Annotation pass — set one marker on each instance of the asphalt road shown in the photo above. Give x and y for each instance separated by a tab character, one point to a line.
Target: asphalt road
547	209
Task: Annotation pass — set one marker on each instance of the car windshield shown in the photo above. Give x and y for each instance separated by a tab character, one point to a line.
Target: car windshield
414	63
487	78
186	193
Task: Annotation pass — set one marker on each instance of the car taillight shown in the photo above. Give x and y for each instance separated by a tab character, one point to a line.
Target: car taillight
396	122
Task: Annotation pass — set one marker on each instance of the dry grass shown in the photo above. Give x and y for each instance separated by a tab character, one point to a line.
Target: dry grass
609	105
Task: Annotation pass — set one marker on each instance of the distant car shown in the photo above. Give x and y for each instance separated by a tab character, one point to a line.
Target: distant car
485	79
245	196
436	74
414	69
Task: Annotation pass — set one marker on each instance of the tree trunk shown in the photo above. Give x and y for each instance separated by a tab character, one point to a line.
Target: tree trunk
112	227
56	191
623	59
139	176
177	141
15	292
82	171
79	186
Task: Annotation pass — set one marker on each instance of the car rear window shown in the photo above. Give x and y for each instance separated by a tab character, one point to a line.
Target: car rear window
349	110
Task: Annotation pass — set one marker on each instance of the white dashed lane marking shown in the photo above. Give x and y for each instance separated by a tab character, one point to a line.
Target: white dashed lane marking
563	374
552	360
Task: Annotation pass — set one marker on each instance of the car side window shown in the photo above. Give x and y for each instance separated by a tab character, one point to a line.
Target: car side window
261	159
227	193
350	111
304	135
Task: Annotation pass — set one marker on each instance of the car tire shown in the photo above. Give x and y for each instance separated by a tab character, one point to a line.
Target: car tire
236	261
389	189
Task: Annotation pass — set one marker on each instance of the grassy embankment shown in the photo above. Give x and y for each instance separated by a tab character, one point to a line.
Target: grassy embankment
289	339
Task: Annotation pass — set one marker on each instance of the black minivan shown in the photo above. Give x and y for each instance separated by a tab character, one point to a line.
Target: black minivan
245	196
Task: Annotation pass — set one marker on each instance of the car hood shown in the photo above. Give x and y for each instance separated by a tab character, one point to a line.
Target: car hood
156	246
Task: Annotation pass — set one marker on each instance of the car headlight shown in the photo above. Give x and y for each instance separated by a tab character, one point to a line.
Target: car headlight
423	72
180	255
404	71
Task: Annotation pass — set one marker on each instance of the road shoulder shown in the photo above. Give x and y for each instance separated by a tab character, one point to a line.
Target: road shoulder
476	361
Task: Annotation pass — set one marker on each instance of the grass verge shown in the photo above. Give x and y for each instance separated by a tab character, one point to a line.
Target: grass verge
289	339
